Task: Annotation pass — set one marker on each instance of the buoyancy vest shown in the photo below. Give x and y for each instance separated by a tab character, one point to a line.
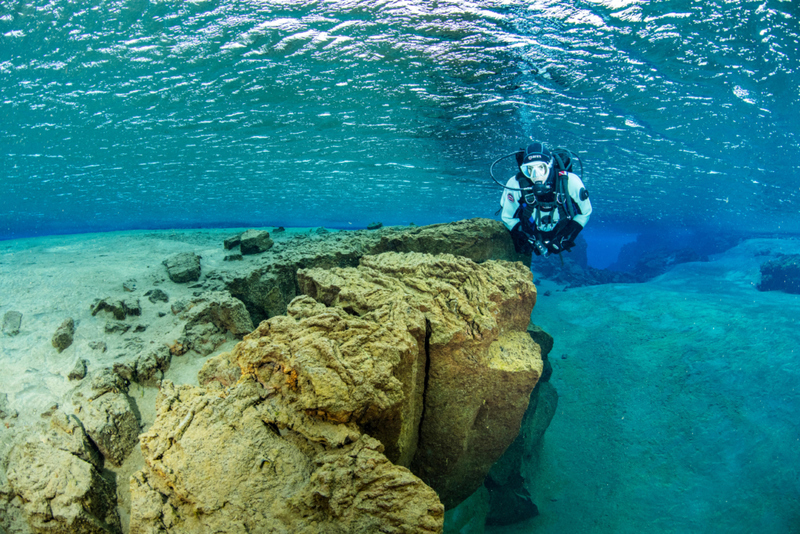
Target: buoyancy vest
531	207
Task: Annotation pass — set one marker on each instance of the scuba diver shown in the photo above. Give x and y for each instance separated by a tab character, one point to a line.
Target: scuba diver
545	205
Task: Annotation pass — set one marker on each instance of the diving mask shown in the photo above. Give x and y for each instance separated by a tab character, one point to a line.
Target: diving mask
537	171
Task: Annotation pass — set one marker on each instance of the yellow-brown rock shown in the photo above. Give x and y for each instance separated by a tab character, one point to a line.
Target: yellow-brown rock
216	463
335	373
482	365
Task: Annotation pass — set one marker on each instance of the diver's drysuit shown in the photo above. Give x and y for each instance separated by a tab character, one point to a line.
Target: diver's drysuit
539	217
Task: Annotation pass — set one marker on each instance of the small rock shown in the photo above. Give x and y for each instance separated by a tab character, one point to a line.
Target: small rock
564	356
140	328
279	229
321	230
374	225
99	346
255	242
50	411
232	242
116	327
547	293
118	308
157	295
64	335
183	267
79	371
233	257
129	285
12	320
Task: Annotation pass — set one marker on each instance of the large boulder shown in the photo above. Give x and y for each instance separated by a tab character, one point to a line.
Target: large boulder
481	363
56	474
183	267
107	415
255	242
221	463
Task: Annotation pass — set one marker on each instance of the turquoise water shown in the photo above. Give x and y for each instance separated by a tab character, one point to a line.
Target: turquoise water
135	114
678	399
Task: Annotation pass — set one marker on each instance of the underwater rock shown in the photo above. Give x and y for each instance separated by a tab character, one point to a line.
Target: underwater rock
78	370
232	242
781	274
99	346
219	463
151	364
12	321
183	267
64	335
255	242
157	295
106	413
336	372
482	365
509	500
56	475
233	257
120	309
208	318
374	225
111	423
116	327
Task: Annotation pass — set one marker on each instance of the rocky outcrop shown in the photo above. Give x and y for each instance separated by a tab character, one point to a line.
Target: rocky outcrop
183	267
406	373
781	274
56	475
268	287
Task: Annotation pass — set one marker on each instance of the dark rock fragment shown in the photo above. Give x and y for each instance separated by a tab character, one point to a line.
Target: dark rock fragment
64	335
79	370
116	327
157	295
232	242
374	225
233	257
781	274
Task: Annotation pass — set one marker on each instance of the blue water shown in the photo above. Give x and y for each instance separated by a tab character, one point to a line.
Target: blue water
181	114
125	115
